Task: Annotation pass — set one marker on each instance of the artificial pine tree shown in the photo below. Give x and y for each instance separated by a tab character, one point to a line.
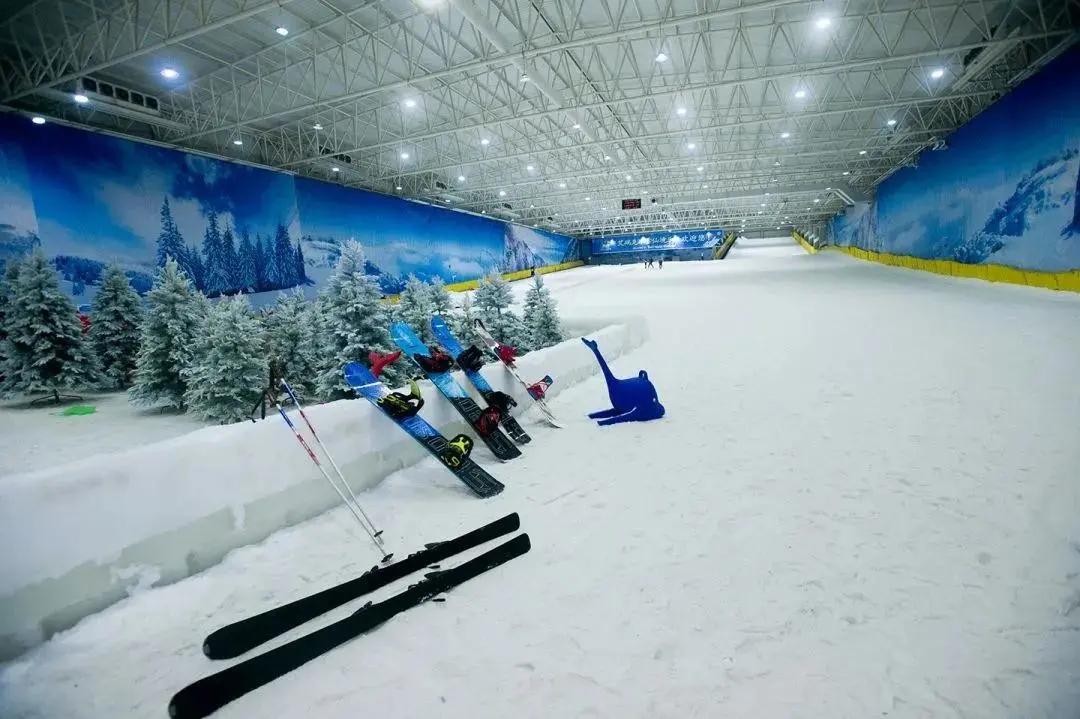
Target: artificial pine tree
441	302
174	314
228	371
540	317
291	338
114	329
493	299
464	323
169	243
44	349
414	308
353	323
7	290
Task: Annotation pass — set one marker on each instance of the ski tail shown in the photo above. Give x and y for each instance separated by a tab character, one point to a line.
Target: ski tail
207	695
234	639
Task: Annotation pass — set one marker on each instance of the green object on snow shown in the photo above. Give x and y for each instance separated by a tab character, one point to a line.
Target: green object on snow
78	409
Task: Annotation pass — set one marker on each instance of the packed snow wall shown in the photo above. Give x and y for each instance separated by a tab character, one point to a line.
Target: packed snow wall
87	199
1004	192
84	535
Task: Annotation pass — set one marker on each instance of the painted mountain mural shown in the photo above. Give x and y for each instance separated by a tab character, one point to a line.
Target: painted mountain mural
87	200
1004	191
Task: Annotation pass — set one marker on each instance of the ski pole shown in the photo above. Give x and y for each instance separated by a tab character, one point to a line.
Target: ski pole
296	402
315	459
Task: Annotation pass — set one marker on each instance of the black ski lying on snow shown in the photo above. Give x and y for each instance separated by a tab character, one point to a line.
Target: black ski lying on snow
234	639
209	694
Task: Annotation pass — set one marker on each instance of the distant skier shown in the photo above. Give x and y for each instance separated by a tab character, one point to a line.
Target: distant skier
661	263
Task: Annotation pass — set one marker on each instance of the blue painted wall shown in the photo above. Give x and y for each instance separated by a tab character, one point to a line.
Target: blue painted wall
87	199
1004	192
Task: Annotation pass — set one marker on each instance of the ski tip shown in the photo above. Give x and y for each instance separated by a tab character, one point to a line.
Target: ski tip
439	599
386	559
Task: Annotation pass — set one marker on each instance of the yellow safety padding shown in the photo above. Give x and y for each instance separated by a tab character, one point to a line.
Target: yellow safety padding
1068	281
798	237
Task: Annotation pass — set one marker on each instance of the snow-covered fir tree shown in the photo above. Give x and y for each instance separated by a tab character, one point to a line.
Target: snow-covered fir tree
228	371
247	263
414	308
463	323
540	316
353	323
292	342
441	302
116	317
169	242
493	299
44	348
215	273
301	265
229	260
7	289
174	313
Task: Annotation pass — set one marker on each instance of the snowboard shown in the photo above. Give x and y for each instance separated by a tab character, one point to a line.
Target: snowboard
469	472
493	345
234	639
207	695
445	336
499	444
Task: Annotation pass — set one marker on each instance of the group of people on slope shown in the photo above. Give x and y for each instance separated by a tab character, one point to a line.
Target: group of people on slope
659	263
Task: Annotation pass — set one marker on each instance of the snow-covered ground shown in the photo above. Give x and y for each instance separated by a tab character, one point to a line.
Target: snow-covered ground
862	503
40	436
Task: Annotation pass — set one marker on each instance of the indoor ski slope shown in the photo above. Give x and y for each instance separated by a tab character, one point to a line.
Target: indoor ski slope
863	502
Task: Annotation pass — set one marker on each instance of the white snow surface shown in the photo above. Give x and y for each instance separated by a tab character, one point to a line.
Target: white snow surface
861	503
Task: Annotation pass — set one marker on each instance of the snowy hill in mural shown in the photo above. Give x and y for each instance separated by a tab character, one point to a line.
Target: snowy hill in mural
1035	223
527	247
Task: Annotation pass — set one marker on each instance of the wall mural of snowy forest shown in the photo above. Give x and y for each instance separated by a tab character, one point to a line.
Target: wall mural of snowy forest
87	200
1004	192
658	242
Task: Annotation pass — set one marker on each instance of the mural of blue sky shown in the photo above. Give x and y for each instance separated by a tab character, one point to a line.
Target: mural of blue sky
100	197
658	241
18	223
1004	191
399	237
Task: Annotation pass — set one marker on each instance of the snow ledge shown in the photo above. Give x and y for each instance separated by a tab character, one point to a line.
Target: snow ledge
85	535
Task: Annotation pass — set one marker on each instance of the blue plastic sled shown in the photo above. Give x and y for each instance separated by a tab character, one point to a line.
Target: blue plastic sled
632	400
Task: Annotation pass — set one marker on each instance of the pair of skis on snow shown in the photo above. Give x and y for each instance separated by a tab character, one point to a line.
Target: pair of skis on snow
453	453
209	694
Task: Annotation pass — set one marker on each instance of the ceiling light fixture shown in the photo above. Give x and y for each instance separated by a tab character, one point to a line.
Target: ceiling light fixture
502	193
80	98
317	126
410	103
577	126
800	93
628	177
530	168
891	123
785	135
862	152
461	178
335	169
823	22
524	77
170	73
37	120
607	157
690	146
846	172
485	141
816	200
587	199
281	30
562	185
680	111
700	168
404	156
661	56
238	141
937	73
